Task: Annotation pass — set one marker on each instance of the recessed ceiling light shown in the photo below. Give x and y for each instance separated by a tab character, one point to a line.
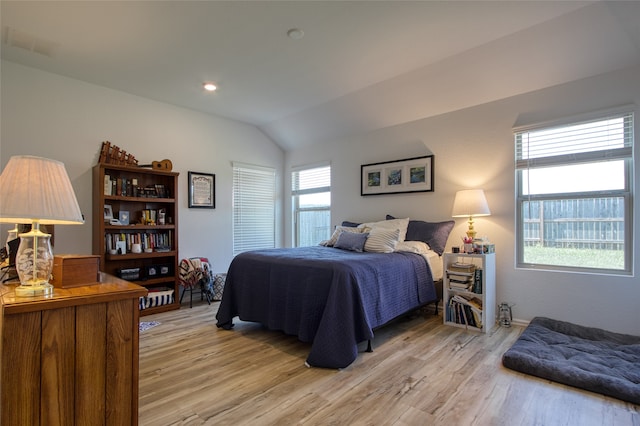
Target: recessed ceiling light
210	87
295	33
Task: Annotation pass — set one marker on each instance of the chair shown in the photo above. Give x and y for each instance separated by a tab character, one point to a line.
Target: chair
195	272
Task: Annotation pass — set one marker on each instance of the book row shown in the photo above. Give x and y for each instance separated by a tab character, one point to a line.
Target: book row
464	311
130	188
123	243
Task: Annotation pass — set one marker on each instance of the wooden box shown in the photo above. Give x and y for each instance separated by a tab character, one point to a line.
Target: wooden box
75	270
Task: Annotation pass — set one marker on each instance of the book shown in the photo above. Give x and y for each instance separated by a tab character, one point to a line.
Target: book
107	185
462	278
462	267
459	286
477	281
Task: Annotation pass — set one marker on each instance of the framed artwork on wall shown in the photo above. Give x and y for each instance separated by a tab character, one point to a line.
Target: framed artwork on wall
202	190
397	177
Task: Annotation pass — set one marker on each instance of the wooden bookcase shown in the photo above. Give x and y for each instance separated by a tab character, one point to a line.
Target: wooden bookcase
142	194
483	292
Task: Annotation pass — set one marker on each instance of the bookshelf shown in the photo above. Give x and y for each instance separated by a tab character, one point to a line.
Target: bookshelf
469	291
143	246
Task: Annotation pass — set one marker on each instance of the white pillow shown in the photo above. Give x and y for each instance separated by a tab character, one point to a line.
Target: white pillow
400	224
339	230
413	247
382	240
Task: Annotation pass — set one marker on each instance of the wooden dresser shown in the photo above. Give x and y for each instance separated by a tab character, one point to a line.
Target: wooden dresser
72	358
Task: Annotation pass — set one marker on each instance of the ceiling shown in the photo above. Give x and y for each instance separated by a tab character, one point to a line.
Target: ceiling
361	65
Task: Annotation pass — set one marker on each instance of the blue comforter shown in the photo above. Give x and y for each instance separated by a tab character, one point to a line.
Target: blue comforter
330	297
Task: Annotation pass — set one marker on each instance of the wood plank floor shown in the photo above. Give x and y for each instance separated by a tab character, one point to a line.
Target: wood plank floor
420	373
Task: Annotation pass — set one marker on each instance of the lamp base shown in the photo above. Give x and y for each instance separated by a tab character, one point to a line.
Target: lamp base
41	289
471	233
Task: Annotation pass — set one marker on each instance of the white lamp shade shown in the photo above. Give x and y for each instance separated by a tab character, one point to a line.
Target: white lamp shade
470	202
37	189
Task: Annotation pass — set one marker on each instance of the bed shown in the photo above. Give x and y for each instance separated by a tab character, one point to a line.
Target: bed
328	295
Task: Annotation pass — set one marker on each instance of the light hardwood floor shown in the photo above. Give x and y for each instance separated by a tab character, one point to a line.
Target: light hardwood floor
420	373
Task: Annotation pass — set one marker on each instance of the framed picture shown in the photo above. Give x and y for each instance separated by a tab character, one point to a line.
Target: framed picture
202	190
123	217
160	191
152	271
396	177
108	213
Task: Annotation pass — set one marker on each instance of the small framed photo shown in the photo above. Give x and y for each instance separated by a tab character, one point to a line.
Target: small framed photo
152	271
150	192
164	270
161	191
123	217
202	190
108	213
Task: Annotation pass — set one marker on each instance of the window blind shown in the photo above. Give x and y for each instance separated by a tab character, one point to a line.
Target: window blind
602	139
254	197
310	181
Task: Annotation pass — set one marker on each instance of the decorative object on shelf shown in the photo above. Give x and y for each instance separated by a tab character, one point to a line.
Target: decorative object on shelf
36	190
160	191
483	245
470	203
129	273
202	190
75	270
123	217
108	213
165	165
121	247
468	244
395	177
112	154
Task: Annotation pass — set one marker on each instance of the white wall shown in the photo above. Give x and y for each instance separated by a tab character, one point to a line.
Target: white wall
56	117
65	119
473	148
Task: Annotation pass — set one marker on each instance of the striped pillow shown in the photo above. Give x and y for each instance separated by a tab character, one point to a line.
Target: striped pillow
382	240
399	224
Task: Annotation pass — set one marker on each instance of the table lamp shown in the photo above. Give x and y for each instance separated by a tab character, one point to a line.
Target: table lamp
36	190
470	203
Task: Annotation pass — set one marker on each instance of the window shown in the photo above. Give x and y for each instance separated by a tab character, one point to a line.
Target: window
254	203
574	200
311	201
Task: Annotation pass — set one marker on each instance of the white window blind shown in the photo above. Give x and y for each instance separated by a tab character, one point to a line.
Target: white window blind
254	198
310	181
606	138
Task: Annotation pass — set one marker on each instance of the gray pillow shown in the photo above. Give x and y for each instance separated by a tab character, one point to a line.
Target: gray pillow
351	241
350	224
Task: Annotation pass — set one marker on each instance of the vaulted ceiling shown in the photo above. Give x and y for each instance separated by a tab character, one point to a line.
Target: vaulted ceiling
360	66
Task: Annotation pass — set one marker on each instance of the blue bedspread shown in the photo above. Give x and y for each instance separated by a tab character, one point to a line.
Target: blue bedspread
330	297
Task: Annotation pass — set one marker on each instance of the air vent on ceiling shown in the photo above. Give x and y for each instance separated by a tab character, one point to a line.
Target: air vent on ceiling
22	40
